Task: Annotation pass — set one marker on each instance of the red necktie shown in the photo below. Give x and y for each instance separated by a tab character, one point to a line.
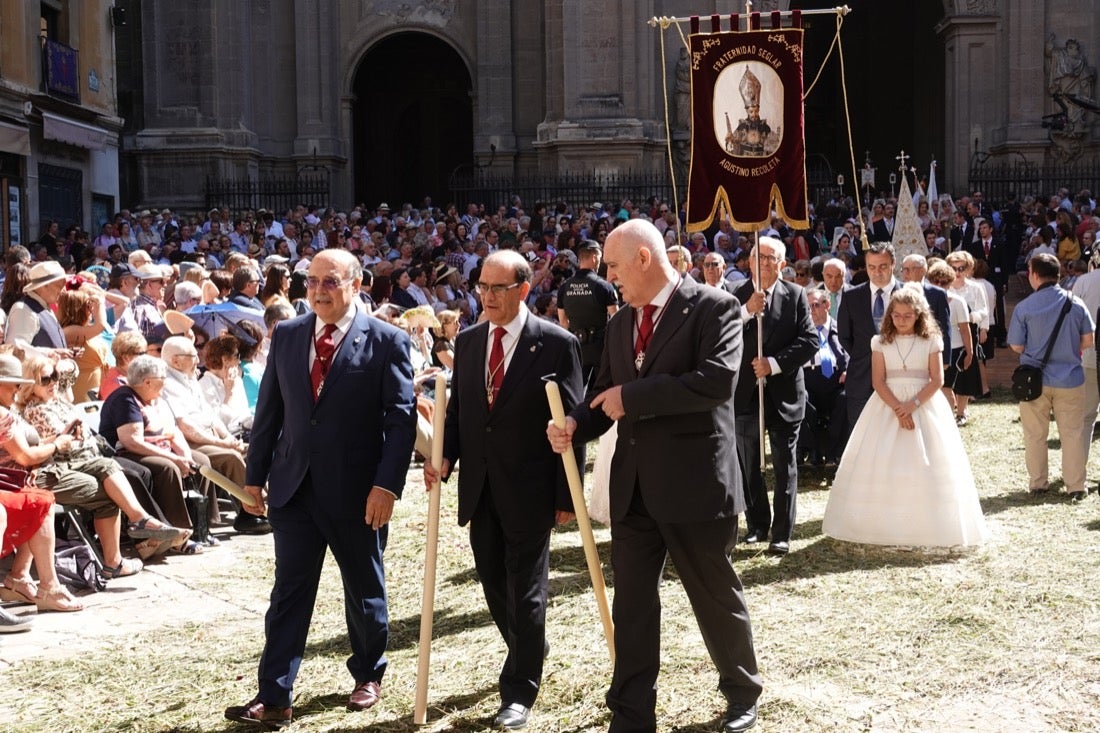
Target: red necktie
645	329
325	348
496	365
986	248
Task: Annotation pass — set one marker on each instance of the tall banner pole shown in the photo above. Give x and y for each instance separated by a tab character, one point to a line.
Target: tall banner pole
760	355
576	491
427	604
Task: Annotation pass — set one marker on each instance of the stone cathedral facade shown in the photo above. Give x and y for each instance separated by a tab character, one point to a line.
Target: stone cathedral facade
390	98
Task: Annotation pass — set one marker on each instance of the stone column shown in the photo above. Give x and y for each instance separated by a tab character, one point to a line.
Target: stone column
1025	83
971	73
606	114
494	125
317	104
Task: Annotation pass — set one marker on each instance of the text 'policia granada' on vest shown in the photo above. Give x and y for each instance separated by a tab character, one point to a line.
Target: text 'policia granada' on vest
581	296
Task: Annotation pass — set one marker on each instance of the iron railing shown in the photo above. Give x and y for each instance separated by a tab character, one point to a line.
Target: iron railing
274	193
996	179
573	189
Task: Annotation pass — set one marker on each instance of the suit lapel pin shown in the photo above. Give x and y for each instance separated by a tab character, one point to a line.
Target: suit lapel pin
533	347
355	342
686	309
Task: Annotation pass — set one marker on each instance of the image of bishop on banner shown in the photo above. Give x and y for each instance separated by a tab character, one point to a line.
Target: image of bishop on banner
748	149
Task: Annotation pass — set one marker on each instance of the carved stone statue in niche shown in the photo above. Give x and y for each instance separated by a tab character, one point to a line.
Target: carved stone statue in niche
1069	74
681	160
682	94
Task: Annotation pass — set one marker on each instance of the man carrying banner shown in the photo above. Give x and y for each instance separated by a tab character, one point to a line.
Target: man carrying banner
790	340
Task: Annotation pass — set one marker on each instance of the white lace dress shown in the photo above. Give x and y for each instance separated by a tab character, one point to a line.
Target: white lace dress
905	487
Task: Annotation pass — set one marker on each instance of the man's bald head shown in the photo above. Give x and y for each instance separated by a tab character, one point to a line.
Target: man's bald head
636	261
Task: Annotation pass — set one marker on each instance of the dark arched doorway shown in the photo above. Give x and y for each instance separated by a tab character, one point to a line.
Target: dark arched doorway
894	64
413	120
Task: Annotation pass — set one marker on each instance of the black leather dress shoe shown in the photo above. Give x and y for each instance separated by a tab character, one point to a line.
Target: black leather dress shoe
512	716
755	536
260	715
779	548
739	718
246	523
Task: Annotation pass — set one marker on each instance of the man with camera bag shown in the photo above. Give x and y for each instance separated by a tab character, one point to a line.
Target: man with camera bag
1050	336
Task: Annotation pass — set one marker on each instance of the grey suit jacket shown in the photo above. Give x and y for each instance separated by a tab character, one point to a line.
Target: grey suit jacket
676	444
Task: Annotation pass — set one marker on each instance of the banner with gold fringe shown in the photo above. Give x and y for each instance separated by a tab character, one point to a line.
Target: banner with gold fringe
748	150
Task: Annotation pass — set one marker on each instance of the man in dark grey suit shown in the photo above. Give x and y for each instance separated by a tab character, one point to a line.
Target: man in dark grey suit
790	340
511	487
667	377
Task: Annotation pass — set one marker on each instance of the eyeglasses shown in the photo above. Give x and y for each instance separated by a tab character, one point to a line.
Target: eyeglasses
496	290
819	304
47	379
770	259
712	265
959	268
327	283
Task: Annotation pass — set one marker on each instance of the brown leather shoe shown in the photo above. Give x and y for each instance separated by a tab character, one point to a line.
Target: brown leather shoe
364	696
258	714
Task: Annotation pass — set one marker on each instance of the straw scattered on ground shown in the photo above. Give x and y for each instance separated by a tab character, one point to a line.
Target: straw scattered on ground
849	638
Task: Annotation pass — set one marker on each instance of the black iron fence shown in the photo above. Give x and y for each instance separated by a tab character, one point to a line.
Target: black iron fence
585	189
574	189
275	193
996	180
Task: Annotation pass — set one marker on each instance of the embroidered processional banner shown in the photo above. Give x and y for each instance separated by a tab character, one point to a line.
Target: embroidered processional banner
748	150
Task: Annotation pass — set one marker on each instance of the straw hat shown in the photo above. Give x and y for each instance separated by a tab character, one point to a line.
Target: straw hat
11	371
44	273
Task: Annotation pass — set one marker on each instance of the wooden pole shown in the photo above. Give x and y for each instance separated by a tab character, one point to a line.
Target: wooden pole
427	603
760	355
223	481
576	490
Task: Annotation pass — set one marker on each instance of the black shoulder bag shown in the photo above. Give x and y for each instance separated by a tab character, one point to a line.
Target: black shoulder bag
1027	381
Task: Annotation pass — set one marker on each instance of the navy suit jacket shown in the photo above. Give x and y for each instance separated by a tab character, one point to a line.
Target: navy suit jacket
507	446
358	434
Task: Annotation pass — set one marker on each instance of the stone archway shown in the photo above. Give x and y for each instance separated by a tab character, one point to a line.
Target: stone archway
412	120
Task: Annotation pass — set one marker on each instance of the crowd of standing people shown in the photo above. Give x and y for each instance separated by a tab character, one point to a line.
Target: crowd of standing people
294	353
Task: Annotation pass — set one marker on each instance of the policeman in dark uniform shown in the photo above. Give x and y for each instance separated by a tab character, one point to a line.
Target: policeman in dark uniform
585	303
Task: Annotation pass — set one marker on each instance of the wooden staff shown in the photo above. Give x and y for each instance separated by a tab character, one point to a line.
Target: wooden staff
576	490
223	481
427	603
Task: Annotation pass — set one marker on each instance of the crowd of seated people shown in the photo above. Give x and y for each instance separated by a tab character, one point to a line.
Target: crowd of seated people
125	329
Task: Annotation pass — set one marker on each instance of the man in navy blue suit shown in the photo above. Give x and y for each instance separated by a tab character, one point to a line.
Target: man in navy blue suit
861	313
332	439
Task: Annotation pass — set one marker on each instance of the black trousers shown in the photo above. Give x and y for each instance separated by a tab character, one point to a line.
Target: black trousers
783	437
514	567
824	431
701	553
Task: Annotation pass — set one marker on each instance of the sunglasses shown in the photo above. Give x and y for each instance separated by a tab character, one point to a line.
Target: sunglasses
47	379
